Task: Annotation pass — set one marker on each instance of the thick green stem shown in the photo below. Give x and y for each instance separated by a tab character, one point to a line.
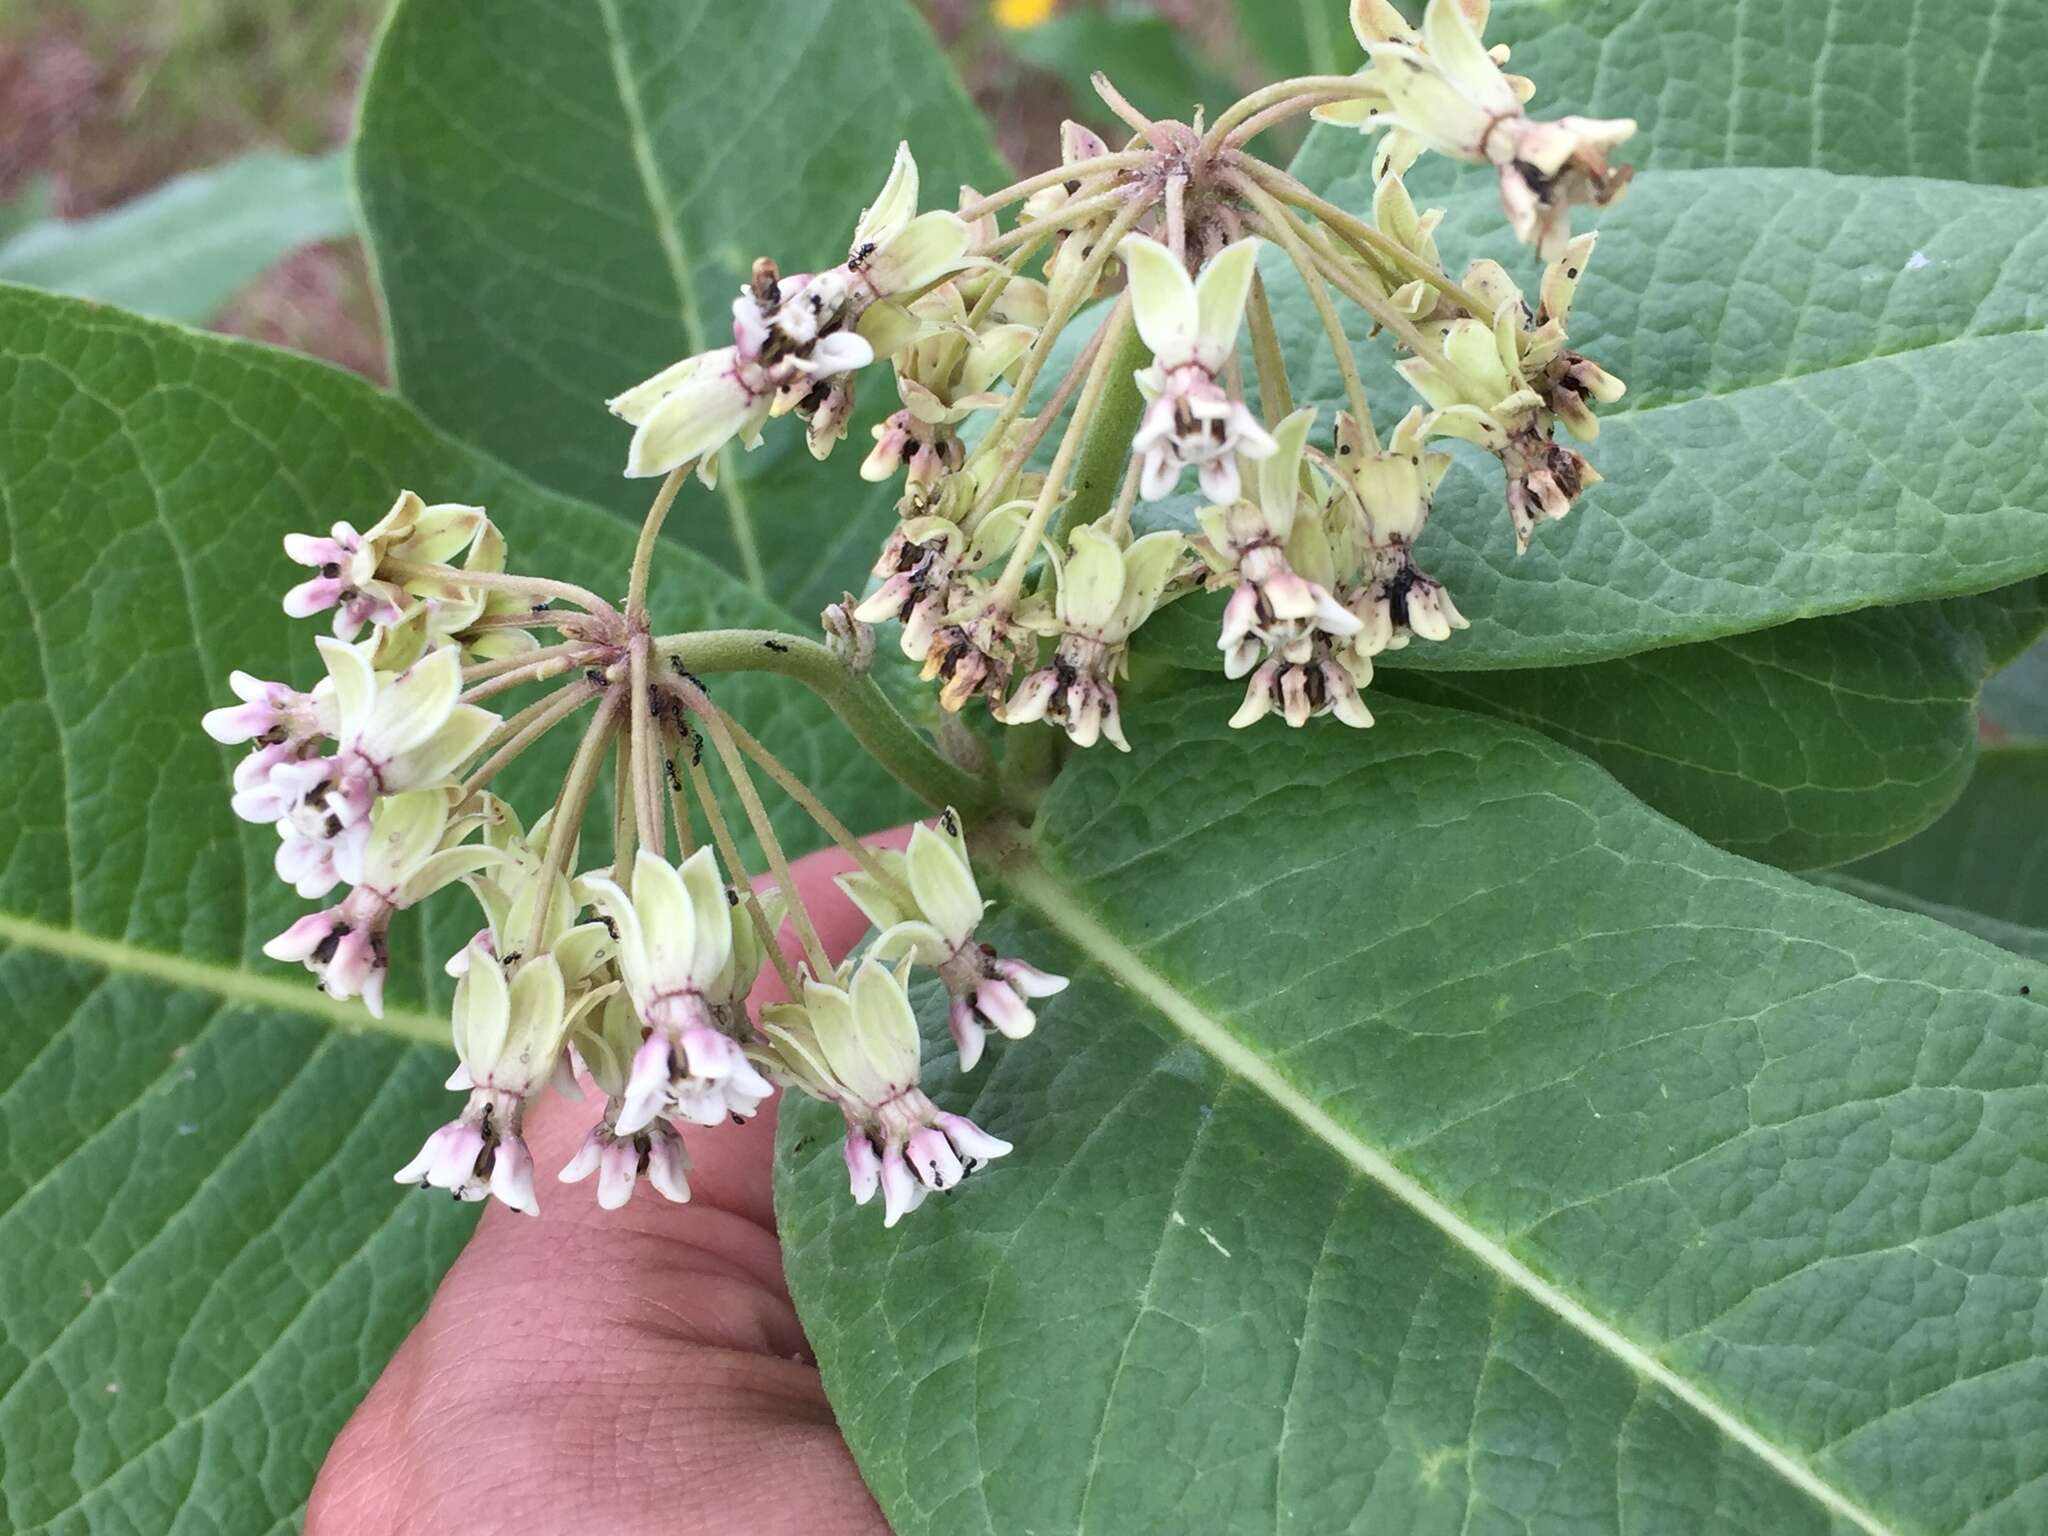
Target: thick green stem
1106	451
861	706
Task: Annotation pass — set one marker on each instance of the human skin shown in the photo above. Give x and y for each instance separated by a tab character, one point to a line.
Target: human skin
598	1371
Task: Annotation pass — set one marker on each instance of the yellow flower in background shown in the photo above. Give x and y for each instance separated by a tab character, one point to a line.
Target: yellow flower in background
1021	15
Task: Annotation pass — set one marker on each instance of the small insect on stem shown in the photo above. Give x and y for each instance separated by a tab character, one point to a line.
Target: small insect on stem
776	646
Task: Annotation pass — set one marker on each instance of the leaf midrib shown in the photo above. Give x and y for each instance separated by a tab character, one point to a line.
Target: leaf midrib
231	983
668	231
1064	908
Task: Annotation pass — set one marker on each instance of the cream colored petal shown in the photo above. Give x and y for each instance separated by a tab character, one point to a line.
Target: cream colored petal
1220	295
1163	300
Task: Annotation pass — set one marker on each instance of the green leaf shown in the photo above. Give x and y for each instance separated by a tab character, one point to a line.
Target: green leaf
543	248
1299	37
1433	1139
203	1261
1806	745
182	251
1146	55
1833	388
1883	87
1989	853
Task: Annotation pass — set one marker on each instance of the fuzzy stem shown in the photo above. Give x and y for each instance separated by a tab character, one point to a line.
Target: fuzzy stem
1004	597
1080	170
729	851
855	698
816	809
1034	434
1298	90
1275	218
570	805
553	662
650	530
1000	281
699	703
625	829
1384	314
568	592
1083	285
674	745
527	727
1276	396
1280	112
641	751
1067	216
1366	238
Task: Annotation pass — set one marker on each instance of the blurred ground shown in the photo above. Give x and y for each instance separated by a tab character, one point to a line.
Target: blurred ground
103	99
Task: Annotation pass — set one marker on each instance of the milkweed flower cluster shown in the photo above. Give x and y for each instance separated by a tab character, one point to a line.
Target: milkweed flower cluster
636	972
1055	381
999	517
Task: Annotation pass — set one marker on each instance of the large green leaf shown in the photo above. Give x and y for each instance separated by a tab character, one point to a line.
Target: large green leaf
1806	745
1891	87
564	198
203	1261
1299	37
1434	1140
182	251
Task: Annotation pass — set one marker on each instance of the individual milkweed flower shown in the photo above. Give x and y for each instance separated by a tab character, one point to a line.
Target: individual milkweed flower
287	726
1078	143
1397	600
1306	679
1273	604
674	943
446	610
509	1034
270	713
943	378
793	337
395	732
607	1037
857	1047
1107	588
1566	380
655	1152
976	649
1448	92
1499	383
937	928
413	849
348	566
1191	326
923	561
